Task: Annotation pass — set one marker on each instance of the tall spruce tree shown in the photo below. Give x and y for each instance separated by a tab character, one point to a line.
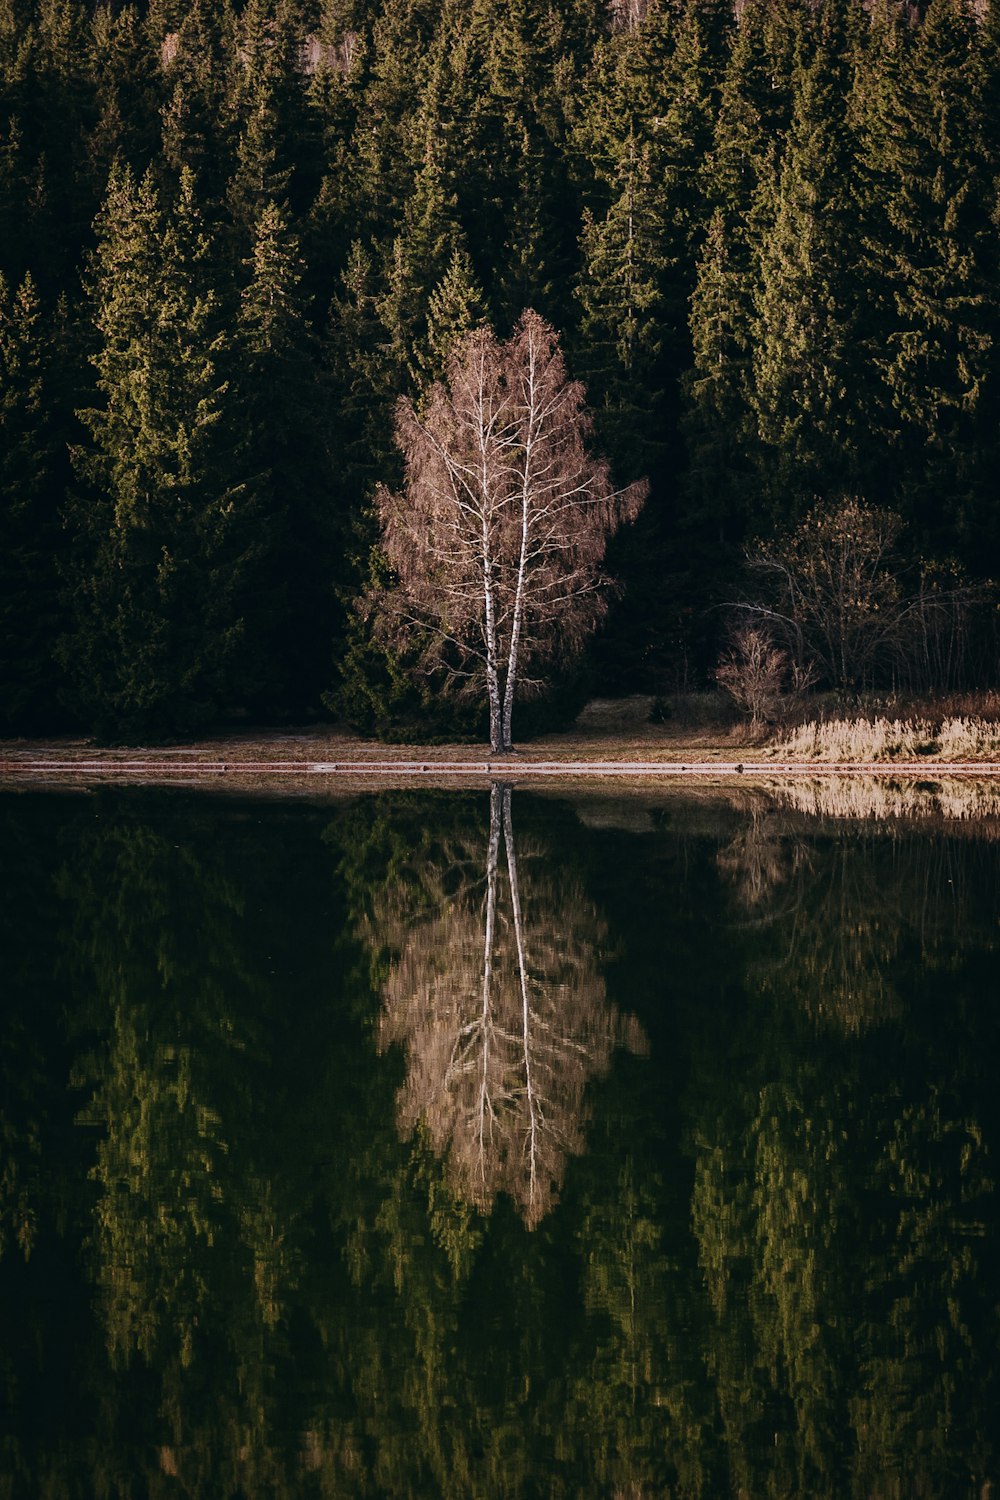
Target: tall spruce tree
266	97
455	306
804	329
740	177
648	135
719	485
197	134
928	267
415	261
127	80
623	250
622	310
168	534
286	440
33	467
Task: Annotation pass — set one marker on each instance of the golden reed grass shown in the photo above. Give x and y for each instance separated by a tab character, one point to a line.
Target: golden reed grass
962	738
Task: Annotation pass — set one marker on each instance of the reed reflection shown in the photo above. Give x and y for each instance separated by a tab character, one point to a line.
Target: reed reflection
836	921
498	999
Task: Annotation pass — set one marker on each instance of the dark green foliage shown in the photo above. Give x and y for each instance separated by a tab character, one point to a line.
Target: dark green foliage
768	241
165	565
285	443
127	85
804	328
32	481
930	276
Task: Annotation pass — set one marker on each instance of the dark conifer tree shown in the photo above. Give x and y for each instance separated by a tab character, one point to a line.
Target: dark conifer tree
46	108
343	208
363	392
454	307
929	278
33	464
648	138
716	422
624	245
197	132
726	481
803	390
167	535
283	411
127	80
276	151
621	294
416	259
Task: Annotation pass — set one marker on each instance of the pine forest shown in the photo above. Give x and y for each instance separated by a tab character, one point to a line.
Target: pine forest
248	249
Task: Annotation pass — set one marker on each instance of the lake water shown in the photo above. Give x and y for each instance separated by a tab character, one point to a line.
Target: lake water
498	1144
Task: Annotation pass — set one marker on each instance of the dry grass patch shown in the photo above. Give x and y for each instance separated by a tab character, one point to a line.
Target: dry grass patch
858	739
884	739
969	739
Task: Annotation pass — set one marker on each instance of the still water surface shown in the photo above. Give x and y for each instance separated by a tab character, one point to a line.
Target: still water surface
471	1144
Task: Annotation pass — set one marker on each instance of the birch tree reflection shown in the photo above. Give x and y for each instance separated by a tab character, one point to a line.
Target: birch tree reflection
497	997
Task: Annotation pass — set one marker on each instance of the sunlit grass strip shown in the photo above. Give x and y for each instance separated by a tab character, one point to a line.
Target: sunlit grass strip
881	739
969	738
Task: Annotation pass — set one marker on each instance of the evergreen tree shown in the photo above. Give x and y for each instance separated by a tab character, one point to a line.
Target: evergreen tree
928	268
167	534
196	132
648	136
621	293
266	97
804	330
538	254
342	209
455	306
32	465
46	107
127	83
285	432
416	260
624	253
716	422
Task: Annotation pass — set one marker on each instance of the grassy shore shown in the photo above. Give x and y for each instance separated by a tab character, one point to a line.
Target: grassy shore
696	733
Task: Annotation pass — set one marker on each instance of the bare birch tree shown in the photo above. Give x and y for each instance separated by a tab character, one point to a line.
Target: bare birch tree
499	534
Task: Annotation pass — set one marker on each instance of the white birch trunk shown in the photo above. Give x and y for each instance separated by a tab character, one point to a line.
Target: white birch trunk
534	1124
517	618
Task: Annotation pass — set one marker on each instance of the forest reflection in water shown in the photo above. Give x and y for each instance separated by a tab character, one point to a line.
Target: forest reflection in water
466	1146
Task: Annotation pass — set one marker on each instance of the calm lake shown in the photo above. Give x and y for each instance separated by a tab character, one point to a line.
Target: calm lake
500	1144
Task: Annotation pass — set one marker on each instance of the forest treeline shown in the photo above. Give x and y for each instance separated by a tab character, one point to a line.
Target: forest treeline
234	235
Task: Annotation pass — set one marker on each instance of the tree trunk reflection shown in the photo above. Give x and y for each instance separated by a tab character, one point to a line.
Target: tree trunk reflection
497	997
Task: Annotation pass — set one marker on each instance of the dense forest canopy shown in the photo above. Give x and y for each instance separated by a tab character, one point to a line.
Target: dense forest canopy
234	235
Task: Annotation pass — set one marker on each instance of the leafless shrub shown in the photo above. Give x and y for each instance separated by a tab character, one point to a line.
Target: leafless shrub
760	677
836	594
832	590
